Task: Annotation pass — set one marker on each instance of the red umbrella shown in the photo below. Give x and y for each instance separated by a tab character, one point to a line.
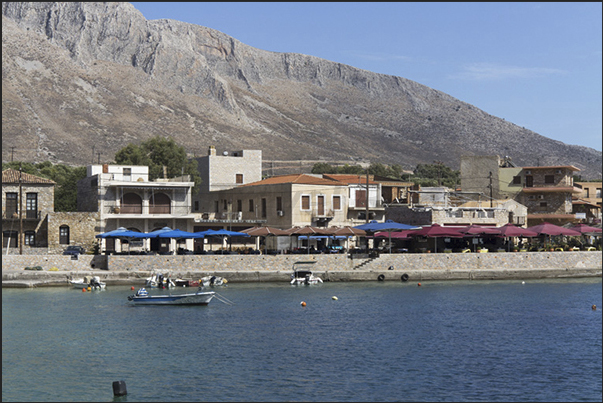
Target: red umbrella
510	230
437	231
586	229
478	230
551	229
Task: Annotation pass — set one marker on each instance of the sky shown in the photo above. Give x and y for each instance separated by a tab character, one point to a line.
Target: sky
537	65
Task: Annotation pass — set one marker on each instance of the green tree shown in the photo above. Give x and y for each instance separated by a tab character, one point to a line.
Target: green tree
157	153
436	174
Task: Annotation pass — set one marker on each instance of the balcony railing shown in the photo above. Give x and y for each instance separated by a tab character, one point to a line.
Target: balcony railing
27	215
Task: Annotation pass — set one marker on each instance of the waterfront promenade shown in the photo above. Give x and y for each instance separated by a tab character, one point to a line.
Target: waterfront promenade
57	270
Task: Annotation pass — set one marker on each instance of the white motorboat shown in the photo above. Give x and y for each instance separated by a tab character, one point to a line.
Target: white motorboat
142	297
302	275
159	280
88	281
212	281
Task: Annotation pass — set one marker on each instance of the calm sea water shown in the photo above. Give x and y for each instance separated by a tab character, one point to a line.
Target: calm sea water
379	341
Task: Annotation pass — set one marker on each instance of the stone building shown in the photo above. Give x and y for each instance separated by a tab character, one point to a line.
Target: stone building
588	202
546	191
26	202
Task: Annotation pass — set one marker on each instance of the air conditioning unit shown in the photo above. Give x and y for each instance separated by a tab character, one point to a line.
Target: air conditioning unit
280	213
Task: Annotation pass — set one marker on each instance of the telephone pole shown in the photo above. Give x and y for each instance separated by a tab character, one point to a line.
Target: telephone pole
20	212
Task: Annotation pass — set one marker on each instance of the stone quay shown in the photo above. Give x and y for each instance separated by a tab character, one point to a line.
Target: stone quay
56	270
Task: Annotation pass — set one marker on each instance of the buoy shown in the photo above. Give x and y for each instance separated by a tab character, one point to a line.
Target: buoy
335	298
419	284
303	303
131	288
83	289
523	282
594	307
89	288
119	388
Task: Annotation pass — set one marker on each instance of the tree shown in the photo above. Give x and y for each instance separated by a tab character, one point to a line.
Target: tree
157	153
436	174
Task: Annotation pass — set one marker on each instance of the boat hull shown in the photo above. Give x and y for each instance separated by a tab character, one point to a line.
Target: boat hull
202	298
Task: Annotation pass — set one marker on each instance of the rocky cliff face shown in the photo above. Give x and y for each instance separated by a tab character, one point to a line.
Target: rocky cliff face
80	79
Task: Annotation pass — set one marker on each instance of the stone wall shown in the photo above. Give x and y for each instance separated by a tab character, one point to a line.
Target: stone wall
83	227
466	264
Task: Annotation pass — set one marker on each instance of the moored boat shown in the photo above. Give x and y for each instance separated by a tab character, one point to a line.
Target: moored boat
88	281
302	275
142	297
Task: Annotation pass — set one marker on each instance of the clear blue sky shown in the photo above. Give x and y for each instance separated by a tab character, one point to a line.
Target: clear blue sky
537	65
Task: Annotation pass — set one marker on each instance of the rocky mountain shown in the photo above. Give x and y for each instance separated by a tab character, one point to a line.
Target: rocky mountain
82	80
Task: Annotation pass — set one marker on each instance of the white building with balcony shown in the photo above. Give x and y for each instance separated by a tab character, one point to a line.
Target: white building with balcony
124	197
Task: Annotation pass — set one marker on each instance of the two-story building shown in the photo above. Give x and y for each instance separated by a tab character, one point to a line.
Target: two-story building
26	201
546	191
587	204
124	196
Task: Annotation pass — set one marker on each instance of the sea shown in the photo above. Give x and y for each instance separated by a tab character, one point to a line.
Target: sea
449	341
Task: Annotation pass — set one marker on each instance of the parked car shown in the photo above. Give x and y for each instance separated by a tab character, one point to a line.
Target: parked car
74	250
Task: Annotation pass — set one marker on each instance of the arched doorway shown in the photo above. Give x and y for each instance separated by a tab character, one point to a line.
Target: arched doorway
160	203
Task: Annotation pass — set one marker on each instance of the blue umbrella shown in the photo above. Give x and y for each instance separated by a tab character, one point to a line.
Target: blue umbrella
154	234
388	225
178	234
122	232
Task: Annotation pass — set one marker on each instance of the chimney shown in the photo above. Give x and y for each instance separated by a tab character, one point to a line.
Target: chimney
211	151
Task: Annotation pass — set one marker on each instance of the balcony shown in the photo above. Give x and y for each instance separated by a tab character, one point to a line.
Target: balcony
30	215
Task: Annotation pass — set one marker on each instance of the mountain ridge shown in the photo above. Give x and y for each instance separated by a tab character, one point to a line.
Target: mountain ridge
104	72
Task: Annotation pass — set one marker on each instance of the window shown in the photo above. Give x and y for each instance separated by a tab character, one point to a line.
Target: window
239	205
216	206
196	206
159	203
517	180
320	205
64	235
361	198
224	204
587	193
31	205
279	203
336	202
542	204
239	178
131	203
263	208
529	181
305	202
127	172
11	204
549	178
29	238
598	193
251	210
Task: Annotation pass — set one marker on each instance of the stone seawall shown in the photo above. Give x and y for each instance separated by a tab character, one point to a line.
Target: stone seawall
58	269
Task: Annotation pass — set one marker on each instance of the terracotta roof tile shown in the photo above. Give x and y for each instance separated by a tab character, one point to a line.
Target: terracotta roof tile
12	176
300	179
349	178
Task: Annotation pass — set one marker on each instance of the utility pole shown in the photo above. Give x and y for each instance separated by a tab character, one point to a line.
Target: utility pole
20	212
12	153
367	195
490	186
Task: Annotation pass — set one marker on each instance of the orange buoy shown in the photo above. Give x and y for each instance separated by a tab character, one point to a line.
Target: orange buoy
132	288
303	303
419	284
83	289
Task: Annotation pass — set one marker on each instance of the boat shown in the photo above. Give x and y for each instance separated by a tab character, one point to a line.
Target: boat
302	275
88	281
142	297
159	280
212	281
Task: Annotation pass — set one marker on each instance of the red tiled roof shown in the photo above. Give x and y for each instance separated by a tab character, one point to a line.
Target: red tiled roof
349	178
302	179
570	167
12	176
